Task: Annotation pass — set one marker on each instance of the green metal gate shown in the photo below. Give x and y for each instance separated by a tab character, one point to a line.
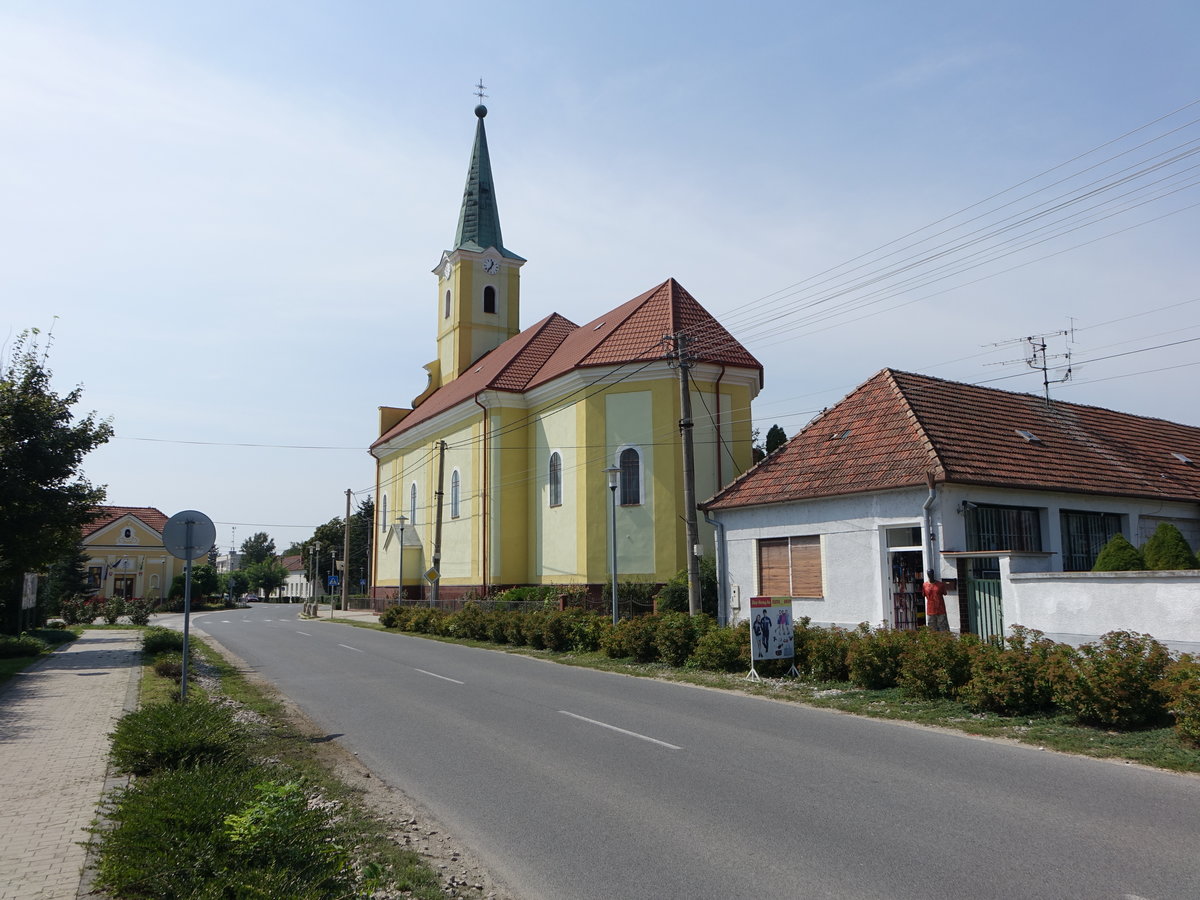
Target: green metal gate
985	612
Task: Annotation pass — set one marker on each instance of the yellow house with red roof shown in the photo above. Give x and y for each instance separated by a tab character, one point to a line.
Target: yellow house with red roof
126	556
495	476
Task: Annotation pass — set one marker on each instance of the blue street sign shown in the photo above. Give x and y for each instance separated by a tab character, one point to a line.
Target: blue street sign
333	581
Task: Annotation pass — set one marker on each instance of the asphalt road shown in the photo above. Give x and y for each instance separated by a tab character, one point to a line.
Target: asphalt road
573	784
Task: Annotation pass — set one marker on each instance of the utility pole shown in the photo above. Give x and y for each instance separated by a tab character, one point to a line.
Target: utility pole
346	556
683	363
437	528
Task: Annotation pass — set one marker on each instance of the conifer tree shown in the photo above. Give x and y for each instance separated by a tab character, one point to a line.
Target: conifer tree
1167	549
1119	555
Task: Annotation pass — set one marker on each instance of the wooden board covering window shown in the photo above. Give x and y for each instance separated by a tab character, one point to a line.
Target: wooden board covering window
806	567
774	569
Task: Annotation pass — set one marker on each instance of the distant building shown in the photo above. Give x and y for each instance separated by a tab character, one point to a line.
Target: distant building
512	435
229	562
297	586
126	553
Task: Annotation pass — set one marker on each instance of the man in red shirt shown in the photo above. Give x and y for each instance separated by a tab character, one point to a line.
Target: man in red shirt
935	603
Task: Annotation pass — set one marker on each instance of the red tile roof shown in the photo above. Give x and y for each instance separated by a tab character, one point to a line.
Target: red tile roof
896	427
106	515
554	346
292	563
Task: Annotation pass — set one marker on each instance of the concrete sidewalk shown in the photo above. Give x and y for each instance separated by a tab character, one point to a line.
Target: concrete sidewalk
55	719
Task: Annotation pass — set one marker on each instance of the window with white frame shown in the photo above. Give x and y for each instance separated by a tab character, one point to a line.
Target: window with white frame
554	479
630	464
455	493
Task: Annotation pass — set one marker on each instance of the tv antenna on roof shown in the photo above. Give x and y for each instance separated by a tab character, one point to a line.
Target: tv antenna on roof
1036	356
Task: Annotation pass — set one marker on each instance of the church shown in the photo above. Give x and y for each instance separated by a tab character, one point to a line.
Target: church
526	444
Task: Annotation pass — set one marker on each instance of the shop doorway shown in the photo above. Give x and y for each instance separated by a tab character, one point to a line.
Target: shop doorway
907	579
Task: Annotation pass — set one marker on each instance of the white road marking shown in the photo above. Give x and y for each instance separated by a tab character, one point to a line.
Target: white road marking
305	633
640	737
348	647
443	677
227	621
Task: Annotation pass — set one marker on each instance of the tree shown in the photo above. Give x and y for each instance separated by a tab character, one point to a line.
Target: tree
361	536
66	577
776	438
257	548
205	582
44	499
330	537
1118	555
1168	549
266	577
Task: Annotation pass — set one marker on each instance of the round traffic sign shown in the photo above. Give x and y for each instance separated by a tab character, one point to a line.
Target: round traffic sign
184	542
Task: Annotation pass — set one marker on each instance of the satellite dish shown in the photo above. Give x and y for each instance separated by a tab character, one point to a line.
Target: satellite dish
184	542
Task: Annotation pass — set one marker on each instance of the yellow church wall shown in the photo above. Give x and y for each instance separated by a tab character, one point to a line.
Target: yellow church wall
509	440
630	417
554	550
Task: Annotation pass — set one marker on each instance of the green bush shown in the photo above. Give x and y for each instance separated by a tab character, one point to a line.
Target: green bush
827	653
171	735
24	645
139	611
1013	680
158	640
1167	549
514	628
283	828
723	649
112	609
498	624
1118	555
676	635
77	610
587	630
427	620
633	637
1112	682
169	665
556	630
533	626
470	623
936	664
1181	688
873	661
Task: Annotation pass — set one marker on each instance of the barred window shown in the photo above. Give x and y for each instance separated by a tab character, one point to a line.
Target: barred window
631	477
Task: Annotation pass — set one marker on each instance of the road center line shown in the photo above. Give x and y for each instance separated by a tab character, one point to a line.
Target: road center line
305	633
348	647
443	677
640	737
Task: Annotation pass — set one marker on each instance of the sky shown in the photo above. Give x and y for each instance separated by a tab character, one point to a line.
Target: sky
228	213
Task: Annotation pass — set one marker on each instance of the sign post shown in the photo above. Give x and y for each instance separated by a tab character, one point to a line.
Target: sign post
771	634
188	535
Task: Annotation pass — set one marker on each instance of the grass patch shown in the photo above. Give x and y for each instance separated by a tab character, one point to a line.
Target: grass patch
232	802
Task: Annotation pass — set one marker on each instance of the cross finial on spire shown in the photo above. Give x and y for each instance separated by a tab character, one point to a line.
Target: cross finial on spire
479	90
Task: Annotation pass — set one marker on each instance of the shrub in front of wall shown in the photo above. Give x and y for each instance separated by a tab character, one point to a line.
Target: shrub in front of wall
470	622
77	610
24	645
426	620
873	661
675	637
1181	689
533	625
1118	555
1014	679
587	629
157	640
633	637
723	649
1167	549
514	628
139	611
393	617
936	665
827	653
1113	682
112	609
556	630
498	622
171	735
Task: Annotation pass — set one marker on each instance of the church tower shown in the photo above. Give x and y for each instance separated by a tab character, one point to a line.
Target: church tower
479	286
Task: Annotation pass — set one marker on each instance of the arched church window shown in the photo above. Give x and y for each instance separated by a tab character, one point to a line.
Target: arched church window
455	493
631	477
446	314
412	504
383	519
554	478
489	299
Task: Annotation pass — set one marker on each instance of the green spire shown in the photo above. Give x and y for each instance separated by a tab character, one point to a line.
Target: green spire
479	220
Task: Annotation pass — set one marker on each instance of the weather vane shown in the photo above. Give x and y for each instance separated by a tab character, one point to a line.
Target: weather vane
479	90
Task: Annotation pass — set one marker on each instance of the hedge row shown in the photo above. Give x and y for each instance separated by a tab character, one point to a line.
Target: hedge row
1123	681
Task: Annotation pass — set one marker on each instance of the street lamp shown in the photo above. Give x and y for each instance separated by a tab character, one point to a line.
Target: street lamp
316	548
400	520
614	480
332	573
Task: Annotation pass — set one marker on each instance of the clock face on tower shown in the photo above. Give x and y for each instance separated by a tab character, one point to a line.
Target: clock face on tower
491	266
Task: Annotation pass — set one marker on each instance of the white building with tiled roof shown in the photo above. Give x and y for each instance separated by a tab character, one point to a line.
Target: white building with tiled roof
498	467
1005	495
